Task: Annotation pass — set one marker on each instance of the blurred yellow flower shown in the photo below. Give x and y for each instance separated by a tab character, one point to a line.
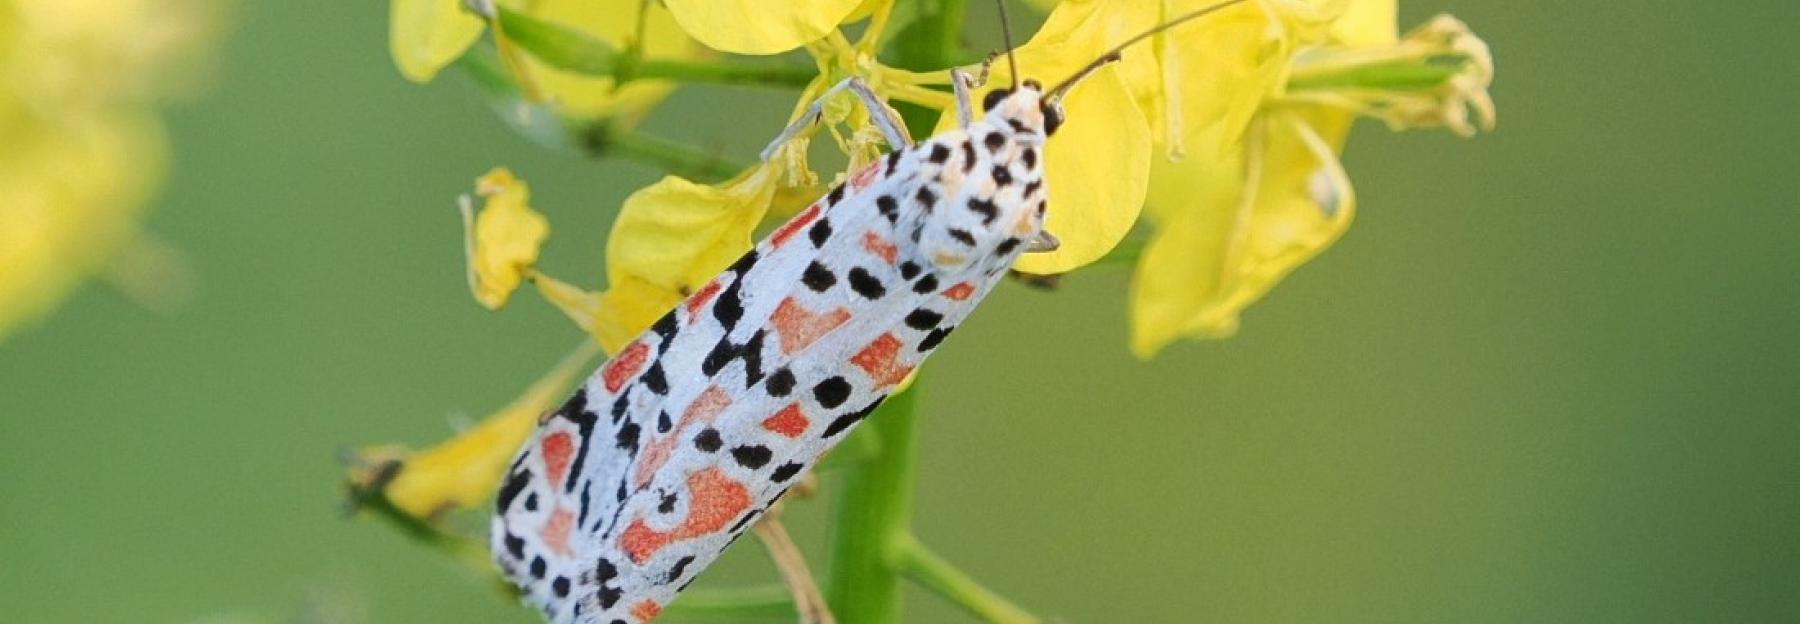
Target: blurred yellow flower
83	151
462	472
503	239
761	26
425	36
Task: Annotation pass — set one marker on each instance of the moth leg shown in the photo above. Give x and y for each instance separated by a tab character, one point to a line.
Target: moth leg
885	117
962	83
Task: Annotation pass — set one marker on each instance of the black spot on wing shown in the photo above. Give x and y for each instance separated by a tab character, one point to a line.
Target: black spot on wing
708	440
1029	157
820	232
888	207
986	208
994	141
926	198
1002	175
515	545
846	421
780	383
752	456
939	153
679	568
655	380
908	270
832	392
627	438
933	339
926	285
866	284
962	236
728	307
836	195
1006	246
513	486
785	471
968	156
923	319
817	277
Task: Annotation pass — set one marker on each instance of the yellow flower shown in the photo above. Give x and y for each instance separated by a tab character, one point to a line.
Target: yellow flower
612	22
502	241
462	472
424	36
82	150
762	26
427	35
1234	218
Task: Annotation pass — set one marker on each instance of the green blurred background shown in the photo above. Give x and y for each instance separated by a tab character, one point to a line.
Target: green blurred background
1552	374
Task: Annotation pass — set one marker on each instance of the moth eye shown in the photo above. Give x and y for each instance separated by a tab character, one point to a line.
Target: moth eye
1053	119
992	99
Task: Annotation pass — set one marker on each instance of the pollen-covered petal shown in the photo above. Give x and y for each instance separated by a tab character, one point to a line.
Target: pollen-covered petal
673	236
1229	229
426	35
760	26
464	471
502	240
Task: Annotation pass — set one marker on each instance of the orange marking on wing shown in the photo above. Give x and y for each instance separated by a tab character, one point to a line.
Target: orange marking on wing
700	299
556	532
714	500
880	246
866	176
792	227
960	291
881	360
646	610
629	363
798	327
790	421
703	410
558	448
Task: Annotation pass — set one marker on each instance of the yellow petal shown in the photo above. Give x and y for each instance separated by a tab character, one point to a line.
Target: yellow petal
426	35
464	471
614	22
1367	23
760	26
670	239
502	241
1260	214
1098	164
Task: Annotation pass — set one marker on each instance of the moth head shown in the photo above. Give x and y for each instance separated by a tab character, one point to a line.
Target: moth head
1023	111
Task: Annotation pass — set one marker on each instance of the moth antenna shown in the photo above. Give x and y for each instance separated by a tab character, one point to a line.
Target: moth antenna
1006	38
1056	92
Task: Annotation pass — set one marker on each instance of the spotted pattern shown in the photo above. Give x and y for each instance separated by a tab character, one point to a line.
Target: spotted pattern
677	446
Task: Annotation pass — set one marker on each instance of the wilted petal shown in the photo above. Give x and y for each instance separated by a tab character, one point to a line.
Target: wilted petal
502	241
760	26
426	35
1262	213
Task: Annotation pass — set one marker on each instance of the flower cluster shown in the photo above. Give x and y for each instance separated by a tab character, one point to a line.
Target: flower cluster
1207	156
83	148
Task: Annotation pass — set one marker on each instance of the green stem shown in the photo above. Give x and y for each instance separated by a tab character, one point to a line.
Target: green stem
931	42
874	517
601	140
932	571
572	50
771	601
